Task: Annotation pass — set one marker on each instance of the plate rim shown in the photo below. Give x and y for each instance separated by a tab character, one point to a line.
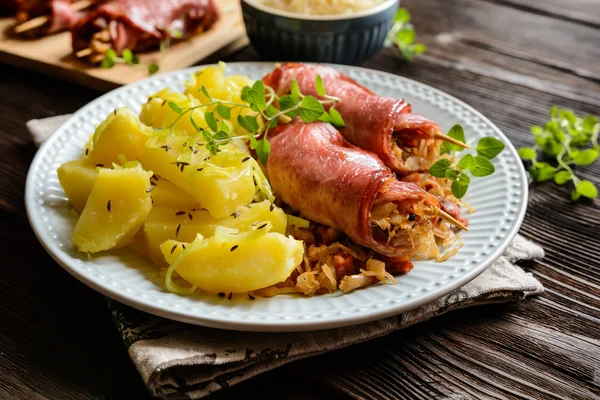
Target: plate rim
60	256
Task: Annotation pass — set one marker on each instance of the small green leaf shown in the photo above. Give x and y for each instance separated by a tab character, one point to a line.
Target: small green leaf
406	35
257	100
210	120
586	157
326	118
295	91
311	109
445	148
248	122
456	132
419	48
562	177
467	162
489	147
263	149
537	130
107	62
127	56
319	86
287	103
483	167
205	93
460	186
551	147
554	112
196	127
245	91
253	142
223	111
439	168
212	147
527	153
542	171
153	68
221	137
402	15
224	127
587	189
207	136
452	174
175	107
135	59
338	121
177	34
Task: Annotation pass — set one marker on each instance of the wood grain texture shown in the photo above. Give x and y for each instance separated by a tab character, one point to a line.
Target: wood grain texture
510	59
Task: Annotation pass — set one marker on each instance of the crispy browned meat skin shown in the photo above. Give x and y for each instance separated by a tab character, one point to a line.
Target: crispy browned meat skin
372	121
315	171
142	24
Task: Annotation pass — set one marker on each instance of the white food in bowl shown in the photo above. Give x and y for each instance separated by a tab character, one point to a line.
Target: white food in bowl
322	7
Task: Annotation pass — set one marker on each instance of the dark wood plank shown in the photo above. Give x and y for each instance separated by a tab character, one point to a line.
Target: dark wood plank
581	11
517	47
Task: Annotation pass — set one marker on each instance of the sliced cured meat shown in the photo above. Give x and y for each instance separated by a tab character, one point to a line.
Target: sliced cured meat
405	142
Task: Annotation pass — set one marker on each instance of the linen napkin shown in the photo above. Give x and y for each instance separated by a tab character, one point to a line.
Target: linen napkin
177	360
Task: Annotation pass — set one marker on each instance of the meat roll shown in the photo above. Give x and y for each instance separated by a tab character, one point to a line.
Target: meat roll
318	173
405	142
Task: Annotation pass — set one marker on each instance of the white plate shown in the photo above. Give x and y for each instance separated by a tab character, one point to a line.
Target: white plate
500	201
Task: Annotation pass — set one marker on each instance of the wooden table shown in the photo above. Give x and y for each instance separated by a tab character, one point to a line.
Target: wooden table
510	59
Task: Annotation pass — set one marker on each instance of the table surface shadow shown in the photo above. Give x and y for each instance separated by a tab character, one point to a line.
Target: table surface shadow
510	59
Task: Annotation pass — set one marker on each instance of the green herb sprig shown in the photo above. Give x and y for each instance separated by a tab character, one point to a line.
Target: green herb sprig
458	171
403	36
566	140
261	100
127	57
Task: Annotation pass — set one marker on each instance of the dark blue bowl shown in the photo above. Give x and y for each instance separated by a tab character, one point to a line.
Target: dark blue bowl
338	39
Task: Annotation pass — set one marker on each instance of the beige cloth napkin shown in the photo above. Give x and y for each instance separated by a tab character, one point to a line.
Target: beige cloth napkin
177	360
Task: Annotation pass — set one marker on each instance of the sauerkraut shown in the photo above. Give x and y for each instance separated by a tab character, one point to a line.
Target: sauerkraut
322	7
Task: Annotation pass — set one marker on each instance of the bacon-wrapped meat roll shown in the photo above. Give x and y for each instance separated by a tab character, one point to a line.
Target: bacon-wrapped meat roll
318	173
405	142
140	25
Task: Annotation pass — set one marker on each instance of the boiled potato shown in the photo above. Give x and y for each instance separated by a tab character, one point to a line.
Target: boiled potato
77	178
165	223
167	194
121	133
228	264
115	210
157	113
220	183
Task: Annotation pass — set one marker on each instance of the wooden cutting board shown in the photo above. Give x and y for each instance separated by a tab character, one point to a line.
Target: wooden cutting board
51	55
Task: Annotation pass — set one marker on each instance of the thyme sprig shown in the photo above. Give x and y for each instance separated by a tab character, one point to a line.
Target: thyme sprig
269	110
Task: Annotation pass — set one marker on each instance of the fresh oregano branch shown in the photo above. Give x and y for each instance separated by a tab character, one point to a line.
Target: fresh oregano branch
458	170
565	141
403	36
262	100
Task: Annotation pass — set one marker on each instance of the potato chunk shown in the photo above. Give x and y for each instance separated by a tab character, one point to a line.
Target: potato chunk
231	263
115	210
77	179
121	133
220	183
166	223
